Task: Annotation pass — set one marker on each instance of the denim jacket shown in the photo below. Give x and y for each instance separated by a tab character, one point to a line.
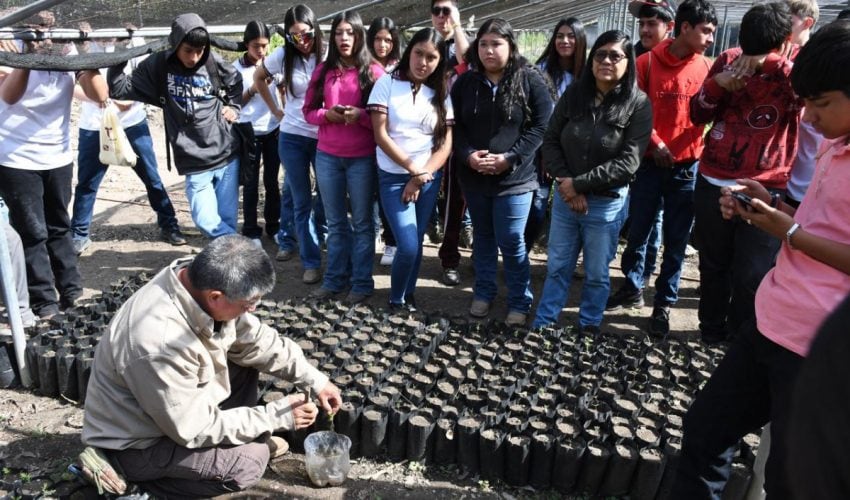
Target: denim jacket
597	155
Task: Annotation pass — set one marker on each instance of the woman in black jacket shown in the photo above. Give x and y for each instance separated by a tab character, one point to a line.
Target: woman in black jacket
593	145
501	109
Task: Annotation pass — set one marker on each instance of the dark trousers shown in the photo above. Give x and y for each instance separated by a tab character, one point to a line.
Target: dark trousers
168	470
266	151
38	210
452	205
733	258
752	386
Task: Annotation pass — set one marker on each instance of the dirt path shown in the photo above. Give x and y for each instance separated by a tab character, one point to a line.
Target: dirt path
38	436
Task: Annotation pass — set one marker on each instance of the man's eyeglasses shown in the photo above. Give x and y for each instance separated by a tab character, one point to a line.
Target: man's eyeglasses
297	38
441	11
612	55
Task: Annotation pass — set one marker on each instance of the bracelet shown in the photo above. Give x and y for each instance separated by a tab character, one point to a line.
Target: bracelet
793	229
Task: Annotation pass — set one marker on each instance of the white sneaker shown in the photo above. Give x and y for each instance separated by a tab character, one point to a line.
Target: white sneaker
389	255
257	242
690	251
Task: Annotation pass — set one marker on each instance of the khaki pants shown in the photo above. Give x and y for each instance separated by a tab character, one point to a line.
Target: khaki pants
168	470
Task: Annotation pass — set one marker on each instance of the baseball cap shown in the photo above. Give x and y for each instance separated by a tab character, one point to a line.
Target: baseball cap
663	5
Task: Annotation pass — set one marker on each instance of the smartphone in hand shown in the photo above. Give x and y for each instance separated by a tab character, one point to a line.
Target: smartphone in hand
746	199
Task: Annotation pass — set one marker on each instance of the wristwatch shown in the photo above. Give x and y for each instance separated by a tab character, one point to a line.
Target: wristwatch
791	230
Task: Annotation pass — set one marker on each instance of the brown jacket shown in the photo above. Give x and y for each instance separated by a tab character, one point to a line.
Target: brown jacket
161	370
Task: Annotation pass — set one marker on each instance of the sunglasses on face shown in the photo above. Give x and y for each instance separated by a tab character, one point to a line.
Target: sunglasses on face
441	11
601	55
296	38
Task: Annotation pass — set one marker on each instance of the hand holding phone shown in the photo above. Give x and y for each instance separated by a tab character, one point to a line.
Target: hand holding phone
744	198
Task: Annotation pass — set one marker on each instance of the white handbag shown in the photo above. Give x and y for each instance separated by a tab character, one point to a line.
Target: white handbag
115	148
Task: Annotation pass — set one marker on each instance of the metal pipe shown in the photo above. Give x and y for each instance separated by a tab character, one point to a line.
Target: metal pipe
10	296
29	10
77	35
353	7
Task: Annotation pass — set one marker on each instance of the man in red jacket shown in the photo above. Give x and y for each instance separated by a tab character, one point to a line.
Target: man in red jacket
670	74
753	136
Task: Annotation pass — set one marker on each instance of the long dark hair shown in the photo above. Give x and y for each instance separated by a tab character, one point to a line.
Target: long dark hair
511	91
362	58
299	14
384	23
618	103
575	63
436	80
253	30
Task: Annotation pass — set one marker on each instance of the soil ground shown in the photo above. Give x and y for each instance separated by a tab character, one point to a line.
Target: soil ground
40	436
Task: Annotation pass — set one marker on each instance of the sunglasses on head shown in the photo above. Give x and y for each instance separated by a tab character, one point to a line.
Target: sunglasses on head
441	11
297	38
612	55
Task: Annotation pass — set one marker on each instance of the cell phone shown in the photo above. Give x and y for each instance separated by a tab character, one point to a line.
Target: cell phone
339	108
742	197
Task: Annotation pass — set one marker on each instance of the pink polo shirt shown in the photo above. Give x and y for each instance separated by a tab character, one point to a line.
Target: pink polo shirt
341	87
798	294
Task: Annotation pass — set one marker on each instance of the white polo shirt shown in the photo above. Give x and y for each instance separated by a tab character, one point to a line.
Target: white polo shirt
35	132
254	110
293	118
411	119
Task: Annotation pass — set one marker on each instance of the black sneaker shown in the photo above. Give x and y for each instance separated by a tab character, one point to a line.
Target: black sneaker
625	297
659	322
173	236
712	338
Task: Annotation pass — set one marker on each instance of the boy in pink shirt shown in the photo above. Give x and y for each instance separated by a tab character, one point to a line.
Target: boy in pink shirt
754	382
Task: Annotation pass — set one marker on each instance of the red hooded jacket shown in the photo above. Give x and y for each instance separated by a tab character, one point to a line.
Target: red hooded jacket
670	82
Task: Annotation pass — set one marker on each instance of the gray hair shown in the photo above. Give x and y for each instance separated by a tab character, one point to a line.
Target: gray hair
235	266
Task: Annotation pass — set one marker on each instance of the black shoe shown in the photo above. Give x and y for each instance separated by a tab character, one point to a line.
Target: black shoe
173	236
625	297
68	302
659	322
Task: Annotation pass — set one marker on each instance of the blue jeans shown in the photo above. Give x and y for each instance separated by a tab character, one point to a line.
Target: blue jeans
408	222
297	153
498	224
596	232
214	198
673	190
344	183
286	234
90	172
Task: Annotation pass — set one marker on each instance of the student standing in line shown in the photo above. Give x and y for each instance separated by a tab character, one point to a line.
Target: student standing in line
445	18
90	171
412	118
502	106
295	62
384	43
611	119
36	168
257	113
562	60
345	158
670	74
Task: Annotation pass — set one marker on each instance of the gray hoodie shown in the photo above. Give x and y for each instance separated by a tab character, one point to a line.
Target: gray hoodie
200	136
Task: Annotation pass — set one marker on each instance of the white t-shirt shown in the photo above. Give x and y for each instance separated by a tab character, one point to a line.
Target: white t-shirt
410	120
293	118
255	110
35	132
91	114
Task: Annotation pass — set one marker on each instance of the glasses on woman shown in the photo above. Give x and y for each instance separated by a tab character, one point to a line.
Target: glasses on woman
297	38
612	55
441	11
